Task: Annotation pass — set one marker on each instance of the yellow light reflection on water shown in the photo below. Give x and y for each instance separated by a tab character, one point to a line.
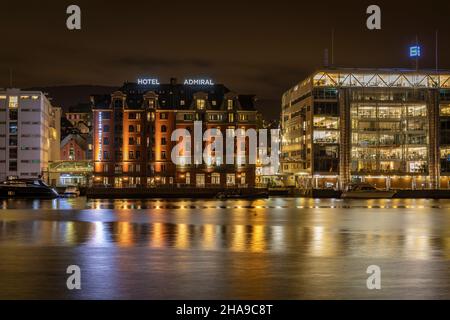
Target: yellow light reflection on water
182	239
208	238
125	234
157	237
238	238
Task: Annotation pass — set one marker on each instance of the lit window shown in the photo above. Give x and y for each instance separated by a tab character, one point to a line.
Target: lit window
230	104
200	104
13	102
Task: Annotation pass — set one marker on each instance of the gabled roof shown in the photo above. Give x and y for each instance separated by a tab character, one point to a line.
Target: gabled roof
79	140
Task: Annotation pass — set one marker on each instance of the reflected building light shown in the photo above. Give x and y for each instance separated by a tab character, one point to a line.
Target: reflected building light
182	236
36	204
69	232
157	237
319	246
208	236
99	238
278	238
417	246
258	243
238	238
125	234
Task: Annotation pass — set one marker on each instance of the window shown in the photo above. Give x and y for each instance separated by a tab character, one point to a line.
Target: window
243	117
187	117
13	102
445	110
133	115
13	153
163	115
13	115
215	178
106	141
106	115
215	117
105	128
13	165
105	155
131	141
163	128
200	104
243	178
13	141
138	141
130	154
138	128
230	179
138	155
131	128
200	180
188	178
163	141
163	155
230	104
13	127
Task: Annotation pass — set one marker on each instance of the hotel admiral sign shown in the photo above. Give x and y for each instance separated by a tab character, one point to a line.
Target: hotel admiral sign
189	82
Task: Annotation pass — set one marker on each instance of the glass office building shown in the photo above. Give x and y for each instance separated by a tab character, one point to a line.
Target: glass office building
388	127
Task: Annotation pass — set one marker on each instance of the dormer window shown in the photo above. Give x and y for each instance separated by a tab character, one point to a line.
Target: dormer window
151	103
117	103
230	104
201	104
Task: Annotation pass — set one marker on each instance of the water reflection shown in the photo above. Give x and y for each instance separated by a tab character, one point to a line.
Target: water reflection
328	239
290	244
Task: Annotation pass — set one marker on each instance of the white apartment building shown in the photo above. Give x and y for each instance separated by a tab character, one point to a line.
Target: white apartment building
29	134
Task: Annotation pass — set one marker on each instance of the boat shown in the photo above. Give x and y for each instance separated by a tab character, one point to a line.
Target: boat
71	192
27	188
366	191
236	194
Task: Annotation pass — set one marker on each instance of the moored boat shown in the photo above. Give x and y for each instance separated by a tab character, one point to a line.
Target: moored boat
236	194
27	188
71	192
366	191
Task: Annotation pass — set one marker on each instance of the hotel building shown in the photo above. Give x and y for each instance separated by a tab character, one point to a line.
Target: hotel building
29	134
132	131
387	127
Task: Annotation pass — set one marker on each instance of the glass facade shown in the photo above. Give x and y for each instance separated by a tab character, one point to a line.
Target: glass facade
389	138
387	127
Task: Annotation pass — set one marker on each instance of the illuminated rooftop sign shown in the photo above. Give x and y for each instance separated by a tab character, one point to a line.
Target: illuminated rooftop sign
148	81
199	82
414	51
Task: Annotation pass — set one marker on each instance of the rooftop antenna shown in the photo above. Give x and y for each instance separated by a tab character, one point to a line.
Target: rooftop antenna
332	47
10	77
437	52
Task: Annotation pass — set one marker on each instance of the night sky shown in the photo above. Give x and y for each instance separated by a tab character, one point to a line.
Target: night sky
250	46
